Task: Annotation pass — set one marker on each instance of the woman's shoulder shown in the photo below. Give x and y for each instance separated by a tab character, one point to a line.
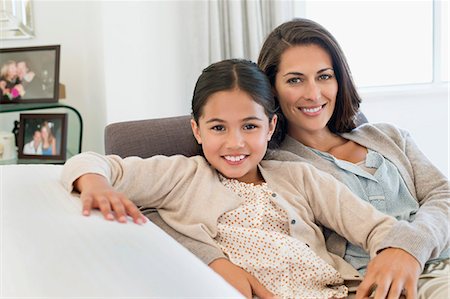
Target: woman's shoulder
378	131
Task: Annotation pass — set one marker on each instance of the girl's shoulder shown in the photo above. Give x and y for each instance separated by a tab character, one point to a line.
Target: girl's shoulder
287	168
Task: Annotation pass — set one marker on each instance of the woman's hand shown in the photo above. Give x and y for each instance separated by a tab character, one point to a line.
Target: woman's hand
241	280
394	272
96	192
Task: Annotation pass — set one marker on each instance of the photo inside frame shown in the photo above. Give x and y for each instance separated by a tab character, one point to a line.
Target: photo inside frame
43	137
29	75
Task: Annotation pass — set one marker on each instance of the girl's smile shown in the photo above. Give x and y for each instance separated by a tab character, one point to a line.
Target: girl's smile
234	131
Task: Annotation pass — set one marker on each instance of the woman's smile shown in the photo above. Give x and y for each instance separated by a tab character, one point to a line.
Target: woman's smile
312	111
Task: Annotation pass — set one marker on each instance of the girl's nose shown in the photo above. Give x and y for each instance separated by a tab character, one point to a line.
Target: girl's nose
235	139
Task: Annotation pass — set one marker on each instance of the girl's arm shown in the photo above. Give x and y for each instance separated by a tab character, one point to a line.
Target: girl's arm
146	182
96	192
336	207
240	279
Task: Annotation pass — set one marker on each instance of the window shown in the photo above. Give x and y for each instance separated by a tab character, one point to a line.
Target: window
388	42
442	16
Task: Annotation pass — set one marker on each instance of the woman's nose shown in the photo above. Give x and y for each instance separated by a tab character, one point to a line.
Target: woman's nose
312	91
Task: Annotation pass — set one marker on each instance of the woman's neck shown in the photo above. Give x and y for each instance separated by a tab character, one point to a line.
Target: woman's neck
323	140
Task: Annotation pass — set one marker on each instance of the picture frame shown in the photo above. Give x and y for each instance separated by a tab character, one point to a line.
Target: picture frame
29	74
42	136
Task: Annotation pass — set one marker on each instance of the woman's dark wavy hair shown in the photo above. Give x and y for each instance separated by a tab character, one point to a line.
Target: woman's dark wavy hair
306	32
228	75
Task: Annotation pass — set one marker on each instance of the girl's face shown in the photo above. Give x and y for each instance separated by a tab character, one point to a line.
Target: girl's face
306	88
234	131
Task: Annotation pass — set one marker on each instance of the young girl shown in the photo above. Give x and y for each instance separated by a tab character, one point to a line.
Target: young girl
265	215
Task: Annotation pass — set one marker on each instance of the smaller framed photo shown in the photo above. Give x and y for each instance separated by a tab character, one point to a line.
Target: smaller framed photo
42	136
29	74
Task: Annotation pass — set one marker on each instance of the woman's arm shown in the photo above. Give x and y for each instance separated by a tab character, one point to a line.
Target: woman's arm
391	265
427	235
54	146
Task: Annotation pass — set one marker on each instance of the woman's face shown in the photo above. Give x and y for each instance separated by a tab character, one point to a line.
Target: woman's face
306	88
12	71
44	133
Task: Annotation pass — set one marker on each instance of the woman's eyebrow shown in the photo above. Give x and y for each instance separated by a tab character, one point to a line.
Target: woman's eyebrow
325	69
293	73
301	74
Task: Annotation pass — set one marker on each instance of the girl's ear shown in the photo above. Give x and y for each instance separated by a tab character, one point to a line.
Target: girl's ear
272	126
196	131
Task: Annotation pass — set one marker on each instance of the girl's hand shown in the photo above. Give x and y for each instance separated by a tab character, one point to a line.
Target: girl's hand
241	280
394	272
96	192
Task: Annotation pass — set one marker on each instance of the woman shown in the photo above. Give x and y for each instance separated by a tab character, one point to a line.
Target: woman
48	139
379	163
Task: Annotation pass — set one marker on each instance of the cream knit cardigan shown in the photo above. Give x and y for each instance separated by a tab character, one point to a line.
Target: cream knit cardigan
190	198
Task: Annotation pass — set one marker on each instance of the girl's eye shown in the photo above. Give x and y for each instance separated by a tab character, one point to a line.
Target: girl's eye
325	77
250	127
218	128
294	80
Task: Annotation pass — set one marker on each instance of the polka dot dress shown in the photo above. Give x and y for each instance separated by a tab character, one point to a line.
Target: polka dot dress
255	236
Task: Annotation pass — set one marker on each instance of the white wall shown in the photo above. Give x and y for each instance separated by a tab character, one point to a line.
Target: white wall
140	59
75	25
152	58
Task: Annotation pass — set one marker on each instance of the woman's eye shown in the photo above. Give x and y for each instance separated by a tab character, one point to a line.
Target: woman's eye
294	80
325	76
249	127
218	128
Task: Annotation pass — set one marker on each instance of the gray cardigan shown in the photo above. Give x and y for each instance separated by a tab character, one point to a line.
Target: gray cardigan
427	236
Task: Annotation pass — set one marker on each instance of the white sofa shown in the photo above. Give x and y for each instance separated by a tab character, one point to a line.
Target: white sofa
48	249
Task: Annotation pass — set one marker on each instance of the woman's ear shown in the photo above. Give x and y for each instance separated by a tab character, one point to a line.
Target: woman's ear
196	131
272	126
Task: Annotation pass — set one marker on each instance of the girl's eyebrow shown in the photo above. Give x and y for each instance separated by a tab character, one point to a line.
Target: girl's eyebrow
301	74
223	121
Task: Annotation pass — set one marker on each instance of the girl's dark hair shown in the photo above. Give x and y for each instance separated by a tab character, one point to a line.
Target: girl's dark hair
306	32
228	75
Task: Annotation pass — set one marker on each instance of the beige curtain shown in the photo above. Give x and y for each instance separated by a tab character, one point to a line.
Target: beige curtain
237	28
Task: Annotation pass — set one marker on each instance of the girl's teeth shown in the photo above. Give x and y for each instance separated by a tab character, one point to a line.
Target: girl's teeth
235	158
312	110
